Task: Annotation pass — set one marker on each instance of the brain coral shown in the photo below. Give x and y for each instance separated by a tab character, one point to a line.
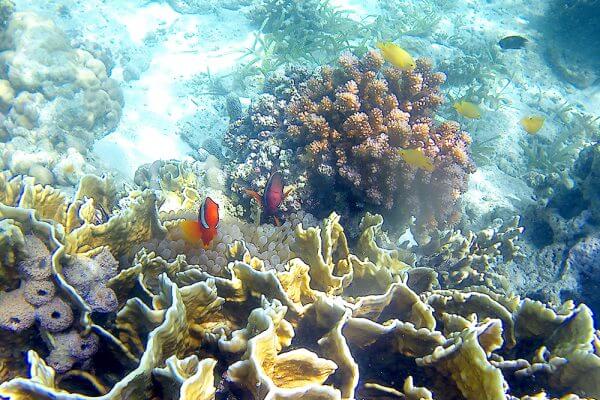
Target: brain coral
350	127
52	97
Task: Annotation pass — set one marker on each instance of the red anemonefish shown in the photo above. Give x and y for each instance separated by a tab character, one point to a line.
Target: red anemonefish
272	196
205	228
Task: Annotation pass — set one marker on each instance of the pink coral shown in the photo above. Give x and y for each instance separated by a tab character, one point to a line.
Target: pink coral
348	127
378	112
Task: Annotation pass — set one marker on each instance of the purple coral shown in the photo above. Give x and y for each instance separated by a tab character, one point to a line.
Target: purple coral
36	263
89	277
54	316
70	347
36	300
38	293
102	299
16	314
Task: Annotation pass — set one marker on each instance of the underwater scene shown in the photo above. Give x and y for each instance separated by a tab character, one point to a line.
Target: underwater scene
299	199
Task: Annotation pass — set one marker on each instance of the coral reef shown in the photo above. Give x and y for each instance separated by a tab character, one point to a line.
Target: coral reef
349	126
180	183
56	274
332	320
38	301
560	232
54	100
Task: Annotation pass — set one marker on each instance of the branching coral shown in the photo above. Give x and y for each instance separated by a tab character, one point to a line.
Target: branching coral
350	126
352	123
465	259
254	144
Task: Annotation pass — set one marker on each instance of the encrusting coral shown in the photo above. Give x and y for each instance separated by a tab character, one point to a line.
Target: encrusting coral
355	129
341	320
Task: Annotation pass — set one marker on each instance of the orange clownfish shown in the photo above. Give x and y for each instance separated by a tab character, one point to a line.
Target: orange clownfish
205	228
272	197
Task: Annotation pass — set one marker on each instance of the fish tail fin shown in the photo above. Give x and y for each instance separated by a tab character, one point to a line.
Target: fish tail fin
254	195
277	221
191	231
207	237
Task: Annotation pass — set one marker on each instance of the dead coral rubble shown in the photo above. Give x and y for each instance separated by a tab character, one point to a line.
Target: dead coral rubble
339	321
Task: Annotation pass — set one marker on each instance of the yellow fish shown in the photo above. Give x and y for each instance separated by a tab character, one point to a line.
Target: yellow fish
467	109
396	55
416	158
532	124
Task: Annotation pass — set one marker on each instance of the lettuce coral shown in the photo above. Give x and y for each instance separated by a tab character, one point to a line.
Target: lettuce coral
340	320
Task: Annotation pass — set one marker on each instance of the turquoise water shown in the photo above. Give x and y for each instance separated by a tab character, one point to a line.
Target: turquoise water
166	164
